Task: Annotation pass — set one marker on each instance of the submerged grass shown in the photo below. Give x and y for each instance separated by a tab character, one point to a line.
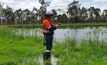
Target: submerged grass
20	50
85	53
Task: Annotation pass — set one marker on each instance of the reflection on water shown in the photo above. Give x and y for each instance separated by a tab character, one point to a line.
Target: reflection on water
51	61
82	34
87	33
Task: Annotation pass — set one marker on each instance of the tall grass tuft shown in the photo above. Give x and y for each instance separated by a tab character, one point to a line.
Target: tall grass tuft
85	53
19	50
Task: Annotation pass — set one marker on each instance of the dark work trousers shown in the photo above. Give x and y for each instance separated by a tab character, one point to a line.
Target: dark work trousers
48	40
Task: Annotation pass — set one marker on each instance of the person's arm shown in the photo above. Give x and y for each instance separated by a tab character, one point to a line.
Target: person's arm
49	26
52	28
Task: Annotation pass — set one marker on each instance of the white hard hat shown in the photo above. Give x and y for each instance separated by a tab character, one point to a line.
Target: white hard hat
48	13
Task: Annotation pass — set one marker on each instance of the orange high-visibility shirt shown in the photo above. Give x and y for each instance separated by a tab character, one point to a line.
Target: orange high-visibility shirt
47	24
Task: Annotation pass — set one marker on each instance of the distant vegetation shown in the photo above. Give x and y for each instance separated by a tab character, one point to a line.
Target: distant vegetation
73	25
74	14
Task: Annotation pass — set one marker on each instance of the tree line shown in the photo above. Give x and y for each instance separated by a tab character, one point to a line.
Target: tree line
75	14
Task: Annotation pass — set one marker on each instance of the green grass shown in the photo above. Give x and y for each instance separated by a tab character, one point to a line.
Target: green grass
70	53
72	25
19	50
82	25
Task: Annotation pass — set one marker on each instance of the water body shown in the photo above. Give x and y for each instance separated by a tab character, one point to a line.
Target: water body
87	33
99	33
53	60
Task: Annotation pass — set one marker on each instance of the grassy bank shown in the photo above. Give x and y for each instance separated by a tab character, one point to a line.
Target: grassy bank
78	25
81	25
20	50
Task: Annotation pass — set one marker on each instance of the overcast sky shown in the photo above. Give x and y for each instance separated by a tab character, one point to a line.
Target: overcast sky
55	4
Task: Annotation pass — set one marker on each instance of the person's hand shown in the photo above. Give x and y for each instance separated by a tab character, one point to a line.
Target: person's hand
45	31
58	24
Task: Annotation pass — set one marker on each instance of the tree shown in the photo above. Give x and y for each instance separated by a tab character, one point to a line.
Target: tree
9	15
27	16
55	15
74	11
59	18
34	15
1	14
62	18
91	13
18	16
42	10
74	14
84	14
42	2
65	18
94	13
104	15
97	13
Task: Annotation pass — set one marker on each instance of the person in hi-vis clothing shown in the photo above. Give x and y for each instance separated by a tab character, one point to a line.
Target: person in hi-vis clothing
48	31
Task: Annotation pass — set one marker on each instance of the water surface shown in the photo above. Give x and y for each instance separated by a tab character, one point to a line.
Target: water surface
87	33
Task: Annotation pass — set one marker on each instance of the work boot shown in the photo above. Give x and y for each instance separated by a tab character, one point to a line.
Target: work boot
47	55
44	44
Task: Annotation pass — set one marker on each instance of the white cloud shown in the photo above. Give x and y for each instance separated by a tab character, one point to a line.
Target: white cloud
55	4
23	4
101	4
59	4
100	0
95	3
